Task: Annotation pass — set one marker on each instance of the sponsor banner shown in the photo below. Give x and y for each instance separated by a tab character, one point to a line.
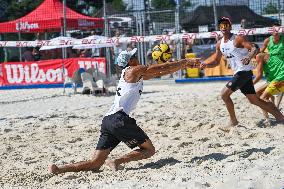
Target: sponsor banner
47	71
136	39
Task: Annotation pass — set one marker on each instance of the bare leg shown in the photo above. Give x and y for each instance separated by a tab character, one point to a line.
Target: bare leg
225	94
259	92
267	106
279	99
94	164
146	150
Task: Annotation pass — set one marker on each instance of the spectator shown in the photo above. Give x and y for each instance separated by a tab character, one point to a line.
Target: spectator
27	55
96	52
85	53
82	54
188	46
88	53
73	53
130	46
118	47
36	54
243	23
116	50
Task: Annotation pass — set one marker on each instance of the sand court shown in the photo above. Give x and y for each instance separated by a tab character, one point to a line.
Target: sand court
41	126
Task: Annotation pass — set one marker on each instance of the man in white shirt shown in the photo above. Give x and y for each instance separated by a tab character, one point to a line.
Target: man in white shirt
117	126
238	52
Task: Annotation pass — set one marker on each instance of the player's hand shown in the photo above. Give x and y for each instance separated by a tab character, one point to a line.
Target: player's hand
193	62
246	61
202	65
183	61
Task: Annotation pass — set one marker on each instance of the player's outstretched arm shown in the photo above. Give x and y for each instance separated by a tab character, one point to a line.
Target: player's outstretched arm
214	59
169	67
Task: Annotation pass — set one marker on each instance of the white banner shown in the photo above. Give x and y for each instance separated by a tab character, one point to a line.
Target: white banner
137	39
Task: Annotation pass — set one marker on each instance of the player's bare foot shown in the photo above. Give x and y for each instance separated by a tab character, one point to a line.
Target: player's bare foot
234	123
53	169
112	165
226	129
229	127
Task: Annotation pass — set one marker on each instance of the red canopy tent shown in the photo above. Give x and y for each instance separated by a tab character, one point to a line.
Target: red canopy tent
49	17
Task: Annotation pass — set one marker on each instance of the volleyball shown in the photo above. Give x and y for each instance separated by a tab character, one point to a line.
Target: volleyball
161	53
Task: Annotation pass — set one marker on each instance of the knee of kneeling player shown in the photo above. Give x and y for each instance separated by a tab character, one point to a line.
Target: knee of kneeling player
150	152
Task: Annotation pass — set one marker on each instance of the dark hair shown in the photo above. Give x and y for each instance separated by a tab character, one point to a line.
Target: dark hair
223	19
133	56
276	24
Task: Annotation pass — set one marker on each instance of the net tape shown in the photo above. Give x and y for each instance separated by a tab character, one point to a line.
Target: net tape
137	39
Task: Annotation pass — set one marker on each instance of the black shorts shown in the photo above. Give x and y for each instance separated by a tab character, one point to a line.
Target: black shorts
242	80
120	127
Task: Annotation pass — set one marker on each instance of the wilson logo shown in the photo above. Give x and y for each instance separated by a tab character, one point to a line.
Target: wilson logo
26	26
32	74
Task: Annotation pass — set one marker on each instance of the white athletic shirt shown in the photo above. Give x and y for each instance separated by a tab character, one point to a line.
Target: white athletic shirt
234	55
127	95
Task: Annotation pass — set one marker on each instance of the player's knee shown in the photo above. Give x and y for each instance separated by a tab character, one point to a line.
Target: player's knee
224	96
96	163
150	152
148	149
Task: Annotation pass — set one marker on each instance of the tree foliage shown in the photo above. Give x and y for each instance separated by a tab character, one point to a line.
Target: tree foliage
163	4
270	9
185	4
13	9
170	4
118	5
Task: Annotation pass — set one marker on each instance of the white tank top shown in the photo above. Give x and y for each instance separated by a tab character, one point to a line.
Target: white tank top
127	95
234	55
